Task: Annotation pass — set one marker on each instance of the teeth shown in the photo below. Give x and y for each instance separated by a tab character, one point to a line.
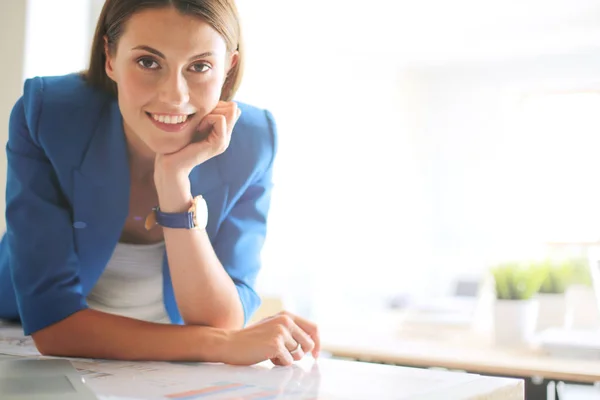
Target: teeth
168	119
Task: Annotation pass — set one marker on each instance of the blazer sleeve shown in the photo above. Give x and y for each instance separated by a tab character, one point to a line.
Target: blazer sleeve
240	238
43	264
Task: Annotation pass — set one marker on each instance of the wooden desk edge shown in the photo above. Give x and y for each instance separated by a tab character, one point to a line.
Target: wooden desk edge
426	362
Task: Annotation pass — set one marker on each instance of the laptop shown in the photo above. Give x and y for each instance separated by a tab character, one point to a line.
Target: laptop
51	379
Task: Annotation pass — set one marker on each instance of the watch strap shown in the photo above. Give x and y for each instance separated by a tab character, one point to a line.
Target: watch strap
191	219
175	220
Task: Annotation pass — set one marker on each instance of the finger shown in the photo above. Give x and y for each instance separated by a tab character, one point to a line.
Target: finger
223	104
231	112
224	108
306	342
294	346
289	342
231	115
310	328
298	353
194	154
214	128
277	362
284	357
237	111
207	125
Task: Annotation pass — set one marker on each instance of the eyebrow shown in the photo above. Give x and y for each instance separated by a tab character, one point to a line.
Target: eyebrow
161	55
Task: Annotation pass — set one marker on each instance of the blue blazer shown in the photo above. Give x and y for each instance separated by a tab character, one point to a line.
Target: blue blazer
67	200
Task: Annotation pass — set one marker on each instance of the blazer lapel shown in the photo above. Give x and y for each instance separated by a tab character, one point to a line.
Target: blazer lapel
101	196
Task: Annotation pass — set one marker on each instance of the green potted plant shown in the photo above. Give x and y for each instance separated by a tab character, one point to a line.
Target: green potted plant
580	272
557	276
551	296
516	307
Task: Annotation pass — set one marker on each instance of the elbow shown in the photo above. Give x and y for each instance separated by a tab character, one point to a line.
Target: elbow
55	340
45	346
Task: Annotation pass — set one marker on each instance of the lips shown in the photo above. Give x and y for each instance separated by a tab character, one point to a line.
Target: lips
170	122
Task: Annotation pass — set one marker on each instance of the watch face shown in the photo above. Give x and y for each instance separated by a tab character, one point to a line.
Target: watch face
201	212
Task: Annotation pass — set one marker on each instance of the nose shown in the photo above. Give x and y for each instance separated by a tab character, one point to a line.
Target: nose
174	90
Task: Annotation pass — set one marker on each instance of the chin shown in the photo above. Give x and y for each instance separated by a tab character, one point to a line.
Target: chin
167	147
167	143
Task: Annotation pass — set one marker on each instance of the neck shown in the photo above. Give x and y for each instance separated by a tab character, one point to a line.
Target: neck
141	158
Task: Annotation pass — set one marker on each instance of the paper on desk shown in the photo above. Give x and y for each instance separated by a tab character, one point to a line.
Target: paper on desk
157	380
326	380
121	380
13	342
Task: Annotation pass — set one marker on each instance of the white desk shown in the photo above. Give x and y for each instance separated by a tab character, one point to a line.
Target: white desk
456	348
326	379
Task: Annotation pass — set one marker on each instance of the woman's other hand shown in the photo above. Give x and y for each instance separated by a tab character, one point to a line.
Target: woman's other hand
282	338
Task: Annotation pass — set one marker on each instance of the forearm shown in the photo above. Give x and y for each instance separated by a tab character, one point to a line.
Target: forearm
205	293
93	334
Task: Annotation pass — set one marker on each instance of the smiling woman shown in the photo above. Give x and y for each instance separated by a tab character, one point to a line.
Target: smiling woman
144	190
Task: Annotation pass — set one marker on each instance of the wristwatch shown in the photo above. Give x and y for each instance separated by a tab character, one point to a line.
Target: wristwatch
195	218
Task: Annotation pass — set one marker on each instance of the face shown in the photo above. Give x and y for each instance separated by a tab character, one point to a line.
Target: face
169	69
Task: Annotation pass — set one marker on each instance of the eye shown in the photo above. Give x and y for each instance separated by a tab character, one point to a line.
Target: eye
148	63
200	67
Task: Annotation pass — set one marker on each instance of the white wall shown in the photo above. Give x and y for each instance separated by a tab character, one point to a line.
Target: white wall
12	48
58	36
348	207
499	187
388	113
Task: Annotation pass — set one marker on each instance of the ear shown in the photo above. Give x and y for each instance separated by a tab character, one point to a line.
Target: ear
227	83
235	55
233	60
108	65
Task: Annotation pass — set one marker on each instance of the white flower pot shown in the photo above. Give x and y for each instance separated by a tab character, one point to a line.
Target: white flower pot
515	321
582	310
551	313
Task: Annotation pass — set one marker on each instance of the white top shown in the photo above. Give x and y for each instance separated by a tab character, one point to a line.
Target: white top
132	283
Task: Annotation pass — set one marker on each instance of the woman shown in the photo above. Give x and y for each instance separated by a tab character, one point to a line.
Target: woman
135	211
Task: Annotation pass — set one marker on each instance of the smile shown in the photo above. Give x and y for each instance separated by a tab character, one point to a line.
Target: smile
170	122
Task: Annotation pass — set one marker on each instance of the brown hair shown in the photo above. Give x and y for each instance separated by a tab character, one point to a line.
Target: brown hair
222	15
